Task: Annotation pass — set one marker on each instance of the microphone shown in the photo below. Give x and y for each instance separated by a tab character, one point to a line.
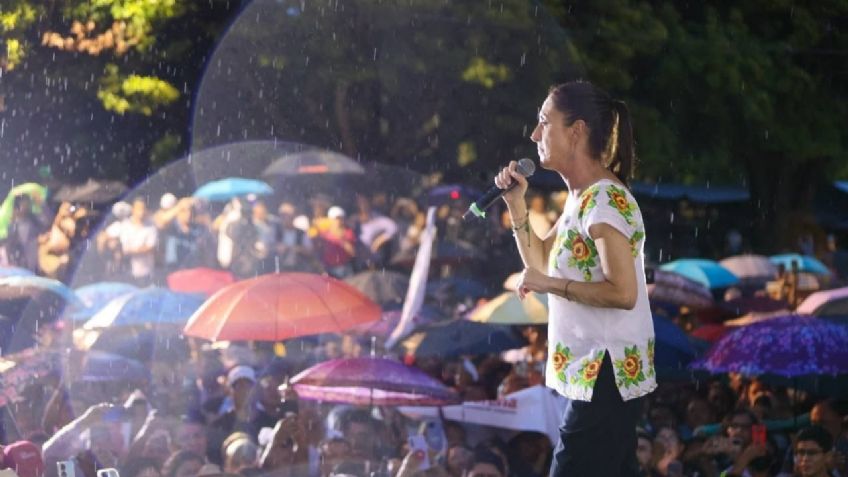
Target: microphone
526	168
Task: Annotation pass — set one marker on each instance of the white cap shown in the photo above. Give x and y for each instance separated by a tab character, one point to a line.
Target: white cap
241	372
121	210
335	212
301	222
167	201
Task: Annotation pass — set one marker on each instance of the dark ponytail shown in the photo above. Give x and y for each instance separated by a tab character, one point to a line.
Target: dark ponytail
625	153
608	120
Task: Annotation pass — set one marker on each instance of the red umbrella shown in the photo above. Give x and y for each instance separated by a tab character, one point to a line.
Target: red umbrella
279	306
371	381
200	280
710	332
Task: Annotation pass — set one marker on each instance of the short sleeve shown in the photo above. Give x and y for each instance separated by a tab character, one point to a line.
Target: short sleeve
611	205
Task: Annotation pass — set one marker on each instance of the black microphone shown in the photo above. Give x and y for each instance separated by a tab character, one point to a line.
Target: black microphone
526	168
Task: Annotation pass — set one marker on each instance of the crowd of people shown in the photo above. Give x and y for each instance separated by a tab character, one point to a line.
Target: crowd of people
229	411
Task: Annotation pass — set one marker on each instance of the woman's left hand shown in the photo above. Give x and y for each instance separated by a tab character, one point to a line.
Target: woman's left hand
531	280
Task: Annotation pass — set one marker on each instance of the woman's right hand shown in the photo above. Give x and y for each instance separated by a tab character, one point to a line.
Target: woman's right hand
506	177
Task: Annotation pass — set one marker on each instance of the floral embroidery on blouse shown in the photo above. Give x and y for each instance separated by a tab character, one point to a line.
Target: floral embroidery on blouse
618	200
629	369
560	359
583	253
588	372
587	200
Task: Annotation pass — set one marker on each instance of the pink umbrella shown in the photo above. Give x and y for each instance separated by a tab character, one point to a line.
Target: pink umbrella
815	303
371	381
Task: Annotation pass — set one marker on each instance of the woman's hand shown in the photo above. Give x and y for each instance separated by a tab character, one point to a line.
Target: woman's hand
532	280
505	178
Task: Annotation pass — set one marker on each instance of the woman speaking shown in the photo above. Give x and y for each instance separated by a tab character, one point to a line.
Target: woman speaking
591	265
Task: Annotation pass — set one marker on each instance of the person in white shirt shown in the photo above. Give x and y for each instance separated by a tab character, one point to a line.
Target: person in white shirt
591	264
138	242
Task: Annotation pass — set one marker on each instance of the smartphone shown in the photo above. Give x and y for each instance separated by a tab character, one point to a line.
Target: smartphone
108	473
418	444
66	468
758	434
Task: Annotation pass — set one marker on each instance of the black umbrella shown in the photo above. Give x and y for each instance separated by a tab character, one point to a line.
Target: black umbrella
141	344
313	162
445	252
94	191
382	286
459	337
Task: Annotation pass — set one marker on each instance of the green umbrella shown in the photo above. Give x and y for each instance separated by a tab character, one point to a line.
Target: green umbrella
6	208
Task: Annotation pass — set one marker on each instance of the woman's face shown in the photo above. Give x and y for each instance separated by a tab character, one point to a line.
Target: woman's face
551	137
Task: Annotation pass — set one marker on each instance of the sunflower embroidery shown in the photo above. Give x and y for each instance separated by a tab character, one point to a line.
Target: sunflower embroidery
629	369
587	200
556	250
583	253
560	359
618	200
651	358
588	372
634	242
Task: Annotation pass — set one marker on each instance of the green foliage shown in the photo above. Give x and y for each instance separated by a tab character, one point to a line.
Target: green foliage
134	93
141	16
485	74
165	150
15	18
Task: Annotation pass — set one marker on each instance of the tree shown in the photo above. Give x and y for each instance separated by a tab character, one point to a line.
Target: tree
100	88
751	92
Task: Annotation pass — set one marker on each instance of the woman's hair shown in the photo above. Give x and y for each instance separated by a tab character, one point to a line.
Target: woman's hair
136	466
177	459
608	120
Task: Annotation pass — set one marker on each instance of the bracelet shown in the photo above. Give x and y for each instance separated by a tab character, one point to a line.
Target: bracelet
565	293
516	228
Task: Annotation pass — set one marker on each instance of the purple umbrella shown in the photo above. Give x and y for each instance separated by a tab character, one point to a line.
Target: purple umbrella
789	346
371	381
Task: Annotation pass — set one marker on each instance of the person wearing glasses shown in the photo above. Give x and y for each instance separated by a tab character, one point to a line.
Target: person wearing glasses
812	450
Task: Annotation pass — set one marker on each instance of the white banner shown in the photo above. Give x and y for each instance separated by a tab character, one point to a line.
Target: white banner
417	282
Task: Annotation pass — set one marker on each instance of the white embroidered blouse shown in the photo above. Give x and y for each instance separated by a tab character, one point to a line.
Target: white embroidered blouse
579	335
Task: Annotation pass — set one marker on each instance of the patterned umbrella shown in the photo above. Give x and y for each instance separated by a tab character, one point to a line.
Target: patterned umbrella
789	346
706	272
371	381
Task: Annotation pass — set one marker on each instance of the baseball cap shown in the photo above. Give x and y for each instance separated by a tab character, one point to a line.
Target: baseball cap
167	201
241	372
335	212
24	457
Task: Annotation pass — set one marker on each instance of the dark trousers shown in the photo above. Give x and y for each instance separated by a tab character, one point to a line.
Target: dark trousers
598	438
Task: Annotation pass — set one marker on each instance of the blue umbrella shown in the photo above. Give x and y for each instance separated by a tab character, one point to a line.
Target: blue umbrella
459	337
706	272
15	272
806	263
18	287
148	306
97	295
102	367
226	189
673	348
